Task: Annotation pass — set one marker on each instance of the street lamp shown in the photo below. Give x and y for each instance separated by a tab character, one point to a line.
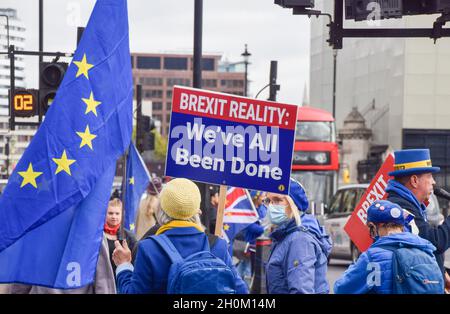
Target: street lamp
246	55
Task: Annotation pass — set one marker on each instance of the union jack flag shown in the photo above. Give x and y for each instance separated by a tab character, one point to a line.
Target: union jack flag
239	212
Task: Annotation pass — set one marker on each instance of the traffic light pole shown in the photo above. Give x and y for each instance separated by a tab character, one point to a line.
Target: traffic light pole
11	54
273	81
139	130
338	32
197	83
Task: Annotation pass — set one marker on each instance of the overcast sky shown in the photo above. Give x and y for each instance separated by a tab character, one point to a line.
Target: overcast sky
271	32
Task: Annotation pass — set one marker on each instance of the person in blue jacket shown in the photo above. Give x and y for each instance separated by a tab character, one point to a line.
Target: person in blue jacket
180	222
372	272
298	259
412	185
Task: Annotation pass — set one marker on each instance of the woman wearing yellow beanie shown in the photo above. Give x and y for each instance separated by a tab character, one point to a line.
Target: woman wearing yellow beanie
180	223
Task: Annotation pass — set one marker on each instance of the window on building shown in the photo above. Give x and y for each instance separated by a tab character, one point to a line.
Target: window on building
169	94
169	105
168	118
175	63
209	83
149	63
132	62
208	64
153	93
178	81
157	105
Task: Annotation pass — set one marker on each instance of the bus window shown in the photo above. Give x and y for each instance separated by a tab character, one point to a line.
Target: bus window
316	131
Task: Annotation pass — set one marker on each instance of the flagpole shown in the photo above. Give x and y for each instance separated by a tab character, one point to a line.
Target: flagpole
220	210
124	192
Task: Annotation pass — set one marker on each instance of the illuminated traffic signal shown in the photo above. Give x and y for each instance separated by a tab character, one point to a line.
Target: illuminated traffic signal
25	102
51	75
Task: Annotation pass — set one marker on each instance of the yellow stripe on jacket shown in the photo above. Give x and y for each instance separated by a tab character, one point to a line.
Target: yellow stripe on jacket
178	224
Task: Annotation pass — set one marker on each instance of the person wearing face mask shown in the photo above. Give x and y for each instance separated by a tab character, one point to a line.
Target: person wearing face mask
376	271
412	185
298	258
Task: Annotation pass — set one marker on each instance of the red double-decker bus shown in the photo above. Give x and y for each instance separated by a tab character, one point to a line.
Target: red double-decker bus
316	158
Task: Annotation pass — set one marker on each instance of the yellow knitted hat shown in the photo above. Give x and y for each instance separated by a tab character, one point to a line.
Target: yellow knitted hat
180	199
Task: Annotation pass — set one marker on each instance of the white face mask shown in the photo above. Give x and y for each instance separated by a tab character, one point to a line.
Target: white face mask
277	214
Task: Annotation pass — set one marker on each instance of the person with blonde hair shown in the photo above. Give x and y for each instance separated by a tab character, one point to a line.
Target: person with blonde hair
145	218
299	255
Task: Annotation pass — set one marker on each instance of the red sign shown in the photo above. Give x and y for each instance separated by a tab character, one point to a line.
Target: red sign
356	226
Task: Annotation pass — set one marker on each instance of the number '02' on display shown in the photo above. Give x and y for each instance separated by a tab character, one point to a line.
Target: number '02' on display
24	103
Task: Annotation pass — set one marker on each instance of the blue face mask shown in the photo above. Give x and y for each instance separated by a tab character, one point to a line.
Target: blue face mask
277	214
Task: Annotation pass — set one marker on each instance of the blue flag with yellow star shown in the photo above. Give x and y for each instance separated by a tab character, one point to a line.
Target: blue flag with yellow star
53	208
137	181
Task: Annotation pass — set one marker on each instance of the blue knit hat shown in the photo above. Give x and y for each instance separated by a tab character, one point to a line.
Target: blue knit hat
298	195
412	161
384	212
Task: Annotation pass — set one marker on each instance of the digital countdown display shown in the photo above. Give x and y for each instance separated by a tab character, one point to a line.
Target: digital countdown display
25	103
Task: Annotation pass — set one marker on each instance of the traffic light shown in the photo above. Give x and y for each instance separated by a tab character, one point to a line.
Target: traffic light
360	10
51	75
295	3
145	137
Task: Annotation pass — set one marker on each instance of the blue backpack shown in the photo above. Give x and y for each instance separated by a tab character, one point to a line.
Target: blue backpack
415	271
199	273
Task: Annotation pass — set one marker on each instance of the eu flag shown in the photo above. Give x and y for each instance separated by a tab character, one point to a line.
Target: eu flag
137	180
53	209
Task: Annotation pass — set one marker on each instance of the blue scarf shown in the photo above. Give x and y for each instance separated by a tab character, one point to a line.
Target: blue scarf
403	192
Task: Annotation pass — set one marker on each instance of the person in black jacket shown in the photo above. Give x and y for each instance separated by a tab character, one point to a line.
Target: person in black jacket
412	186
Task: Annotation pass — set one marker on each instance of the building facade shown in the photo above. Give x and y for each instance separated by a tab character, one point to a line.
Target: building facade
19	139
400	86
158	73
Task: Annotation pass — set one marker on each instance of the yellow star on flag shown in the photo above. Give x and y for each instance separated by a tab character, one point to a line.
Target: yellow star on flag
91	104
63	163
86	137
226	227
29	176
131	180
132	227
83	67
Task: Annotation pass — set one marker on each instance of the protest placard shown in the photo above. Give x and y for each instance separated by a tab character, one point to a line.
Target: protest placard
231	140
356	225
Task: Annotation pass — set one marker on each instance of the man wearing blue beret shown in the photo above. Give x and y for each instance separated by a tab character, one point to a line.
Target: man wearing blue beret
412	185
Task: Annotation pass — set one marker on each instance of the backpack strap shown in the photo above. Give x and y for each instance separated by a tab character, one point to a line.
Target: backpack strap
167	246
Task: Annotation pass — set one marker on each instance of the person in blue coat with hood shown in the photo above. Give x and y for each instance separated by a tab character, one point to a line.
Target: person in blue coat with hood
298	259
373	271
180	222
412	185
